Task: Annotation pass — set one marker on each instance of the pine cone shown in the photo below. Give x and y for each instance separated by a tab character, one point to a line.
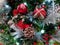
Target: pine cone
29	32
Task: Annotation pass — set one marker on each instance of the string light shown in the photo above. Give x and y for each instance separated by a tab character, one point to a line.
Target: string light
17	43
7	6
48	0
25	3
42	31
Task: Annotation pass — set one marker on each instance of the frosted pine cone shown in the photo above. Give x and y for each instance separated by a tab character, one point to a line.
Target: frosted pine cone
29	32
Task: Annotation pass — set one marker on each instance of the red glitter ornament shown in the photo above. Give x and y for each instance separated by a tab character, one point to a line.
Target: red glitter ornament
22	25
22	8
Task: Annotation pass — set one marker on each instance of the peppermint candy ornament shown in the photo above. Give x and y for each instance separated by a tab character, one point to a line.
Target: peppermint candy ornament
22	8
39	13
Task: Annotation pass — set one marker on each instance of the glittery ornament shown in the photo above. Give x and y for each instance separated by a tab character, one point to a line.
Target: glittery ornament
22	8
39	13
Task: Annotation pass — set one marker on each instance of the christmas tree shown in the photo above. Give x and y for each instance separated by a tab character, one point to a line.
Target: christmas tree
29	22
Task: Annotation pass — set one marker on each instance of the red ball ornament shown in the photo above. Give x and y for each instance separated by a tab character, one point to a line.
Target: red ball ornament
15	12
22	8
38	12
22	25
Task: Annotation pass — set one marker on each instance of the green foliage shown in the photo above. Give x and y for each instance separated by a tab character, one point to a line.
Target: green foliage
5	36
50	29
58	2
